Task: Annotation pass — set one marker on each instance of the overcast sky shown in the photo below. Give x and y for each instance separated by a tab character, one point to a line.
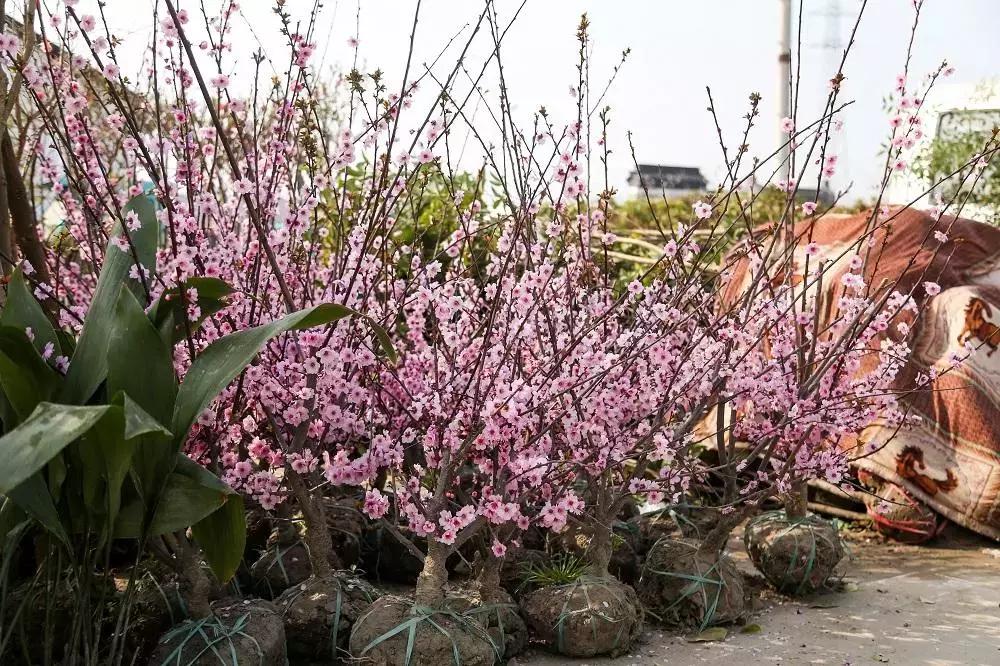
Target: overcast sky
677	49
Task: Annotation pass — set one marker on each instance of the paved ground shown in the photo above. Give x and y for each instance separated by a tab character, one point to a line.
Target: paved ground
933	605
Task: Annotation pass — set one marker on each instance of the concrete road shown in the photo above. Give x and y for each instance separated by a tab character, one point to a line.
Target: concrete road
933	605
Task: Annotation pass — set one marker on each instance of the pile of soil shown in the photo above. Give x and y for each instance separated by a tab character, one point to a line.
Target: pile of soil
499	615
243	632
652	527
157	605
515	569
259	529
684	587
796	555
384	558
279	568
437	637
626	543
319	614
346	524
586	618
626	553
32	606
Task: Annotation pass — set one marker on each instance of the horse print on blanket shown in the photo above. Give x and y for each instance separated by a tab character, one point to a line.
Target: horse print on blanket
950	460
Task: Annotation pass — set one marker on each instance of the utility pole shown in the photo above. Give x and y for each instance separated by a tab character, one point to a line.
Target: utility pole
784	77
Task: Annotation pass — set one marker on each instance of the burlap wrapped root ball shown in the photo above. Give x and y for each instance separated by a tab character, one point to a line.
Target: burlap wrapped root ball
682	586
238	633
588	617
393	632
796	555
318	615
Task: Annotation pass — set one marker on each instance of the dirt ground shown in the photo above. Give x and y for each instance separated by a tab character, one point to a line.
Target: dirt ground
937	605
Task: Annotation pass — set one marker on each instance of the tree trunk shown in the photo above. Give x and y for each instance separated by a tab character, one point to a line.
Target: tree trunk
434	576
488	579
599	548
6	237
715	541
317	536
796	501
195	585
22	213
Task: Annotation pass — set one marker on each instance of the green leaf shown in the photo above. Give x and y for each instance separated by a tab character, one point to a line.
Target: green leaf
226	358
89	365
191	494
11	515
153	454
110	447
709	635
139	422
135	344
25	378
32	495
168	313
751	629
222	536
31	445
384	341
23	311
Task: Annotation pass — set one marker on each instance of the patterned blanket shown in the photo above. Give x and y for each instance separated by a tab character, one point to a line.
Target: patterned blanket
951	460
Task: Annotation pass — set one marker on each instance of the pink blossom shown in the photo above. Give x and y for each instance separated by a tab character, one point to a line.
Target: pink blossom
376	504
702	210
9	44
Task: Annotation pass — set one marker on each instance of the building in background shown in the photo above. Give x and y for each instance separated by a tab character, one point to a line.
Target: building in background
667	181
959	122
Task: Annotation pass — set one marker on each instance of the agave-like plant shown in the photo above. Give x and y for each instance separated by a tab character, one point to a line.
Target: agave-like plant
96	455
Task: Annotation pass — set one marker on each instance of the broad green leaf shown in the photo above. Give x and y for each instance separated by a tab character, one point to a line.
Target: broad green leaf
11	515
86	486
31	445
139	422
136	345
22	311
168	312
226	358
109	448
7	414
154	454
89	365
32	495
25	378
384	341
56	473
128	524
67	341
222	536
191	494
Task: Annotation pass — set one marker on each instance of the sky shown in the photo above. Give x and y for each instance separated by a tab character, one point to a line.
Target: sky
677	49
